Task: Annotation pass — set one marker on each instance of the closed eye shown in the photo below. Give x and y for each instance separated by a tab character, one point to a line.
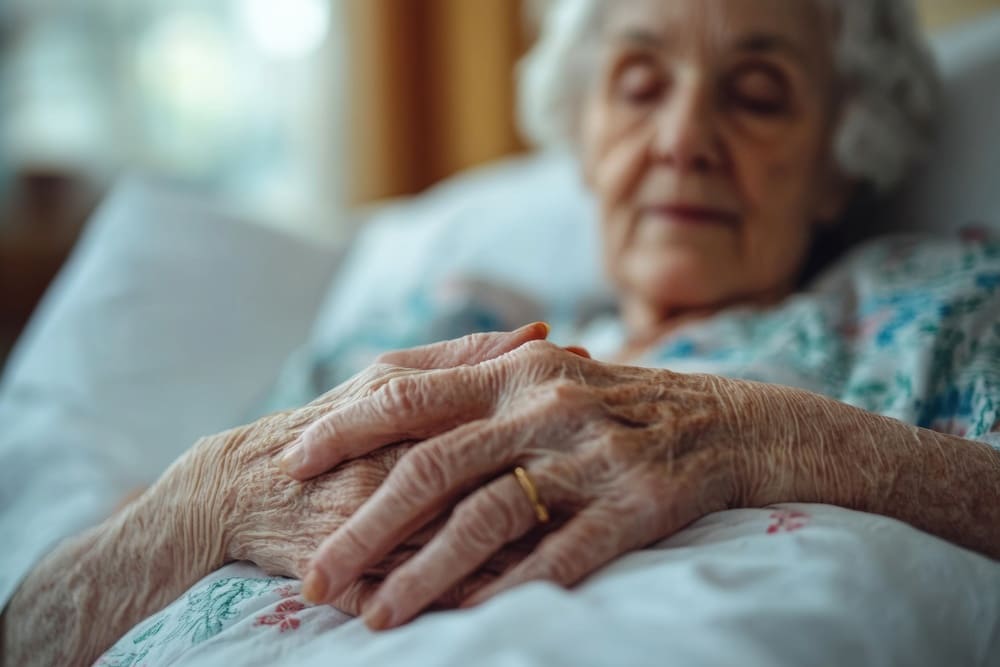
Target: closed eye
760	90
639	82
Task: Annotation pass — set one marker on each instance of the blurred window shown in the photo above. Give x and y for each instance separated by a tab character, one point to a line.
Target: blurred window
238	97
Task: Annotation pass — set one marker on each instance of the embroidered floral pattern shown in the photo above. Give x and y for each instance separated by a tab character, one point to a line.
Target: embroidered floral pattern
206	611
787	521
283	617
903	327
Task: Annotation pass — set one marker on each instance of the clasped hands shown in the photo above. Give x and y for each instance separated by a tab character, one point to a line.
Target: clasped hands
620	457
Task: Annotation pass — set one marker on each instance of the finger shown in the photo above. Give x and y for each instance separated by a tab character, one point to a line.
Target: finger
356	597
414	405
421	485
468	350
480	525
461	591
502	562
396	558
406	407
410	405
588	541
579	351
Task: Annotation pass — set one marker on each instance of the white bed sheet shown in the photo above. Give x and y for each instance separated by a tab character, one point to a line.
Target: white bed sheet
791	585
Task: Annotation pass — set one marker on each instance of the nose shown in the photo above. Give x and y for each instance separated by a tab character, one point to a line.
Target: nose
686	133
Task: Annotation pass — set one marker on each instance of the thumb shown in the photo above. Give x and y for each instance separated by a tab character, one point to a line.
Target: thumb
468	350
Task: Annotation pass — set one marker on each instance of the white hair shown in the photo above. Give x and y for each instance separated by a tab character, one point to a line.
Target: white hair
884	63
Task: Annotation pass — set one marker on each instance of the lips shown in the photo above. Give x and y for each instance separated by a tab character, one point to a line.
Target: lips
690	214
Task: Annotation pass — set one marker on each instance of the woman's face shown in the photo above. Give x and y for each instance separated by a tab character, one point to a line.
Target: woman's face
707	140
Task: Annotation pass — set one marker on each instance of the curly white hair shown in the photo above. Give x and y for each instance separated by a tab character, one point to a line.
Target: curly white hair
883	60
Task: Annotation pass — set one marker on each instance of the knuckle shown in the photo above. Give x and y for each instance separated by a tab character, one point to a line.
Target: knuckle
381	369
426	469
620	447
475	341
562	390
398	394
530	363
475	530
538	349
562	394
322	430
462	351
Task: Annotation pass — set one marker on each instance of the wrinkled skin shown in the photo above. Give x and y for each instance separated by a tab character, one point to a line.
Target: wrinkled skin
622	457
277	523
226	500
727	107
598	441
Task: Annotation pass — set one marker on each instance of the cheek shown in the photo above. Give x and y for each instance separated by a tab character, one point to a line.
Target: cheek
615	152
778	186
776	173
767	177
778	235
615	159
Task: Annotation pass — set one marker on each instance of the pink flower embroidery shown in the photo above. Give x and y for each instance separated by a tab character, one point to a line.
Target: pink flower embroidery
283	616
287	591
787	521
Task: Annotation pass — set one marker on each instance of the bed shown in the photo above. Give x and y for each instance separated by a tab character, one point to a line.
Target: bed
169	304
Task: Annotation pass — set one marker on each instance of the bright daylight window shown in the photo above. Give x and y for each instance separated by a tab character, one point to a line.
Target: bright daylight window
237	97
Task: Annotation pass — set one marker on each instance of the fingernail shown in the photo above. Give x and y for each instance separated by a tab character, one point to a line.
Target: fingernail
294	458
378	616
546	329
315	586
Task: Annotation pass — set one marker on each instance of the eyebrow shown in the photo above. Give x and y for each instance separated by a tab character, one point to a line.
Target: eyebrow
769	43
752	43
640	37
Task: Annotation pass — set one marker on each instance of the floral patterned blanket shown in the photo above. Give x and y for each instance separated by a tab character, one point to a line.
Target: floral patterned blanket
905	326
908	327
784	586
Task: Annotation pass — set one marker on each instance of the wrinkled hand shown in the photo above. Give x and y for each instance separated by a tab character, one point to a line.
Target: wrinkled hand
277	523
620	456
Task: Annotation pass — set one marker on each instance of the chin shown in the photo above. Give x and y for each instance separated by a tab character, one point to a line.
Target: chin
679	279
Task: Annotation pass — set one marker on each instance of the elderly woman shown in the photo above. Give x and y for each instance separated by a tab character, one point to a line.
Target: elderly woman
725	141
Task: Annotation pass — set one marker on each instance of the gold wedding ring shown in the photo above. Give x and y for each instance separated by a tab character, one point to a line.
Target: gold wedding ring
541	511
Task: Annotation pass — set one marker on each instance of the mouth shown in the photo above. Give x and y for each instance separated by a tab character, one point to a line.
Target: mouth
689	214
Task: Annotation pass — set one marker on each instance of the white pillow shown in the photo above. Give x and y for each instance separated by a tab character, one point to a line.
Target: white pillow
169	323
527	223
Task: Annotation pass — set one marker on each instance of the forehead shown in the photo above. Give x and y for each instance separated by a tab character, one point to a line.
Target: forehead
708	26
